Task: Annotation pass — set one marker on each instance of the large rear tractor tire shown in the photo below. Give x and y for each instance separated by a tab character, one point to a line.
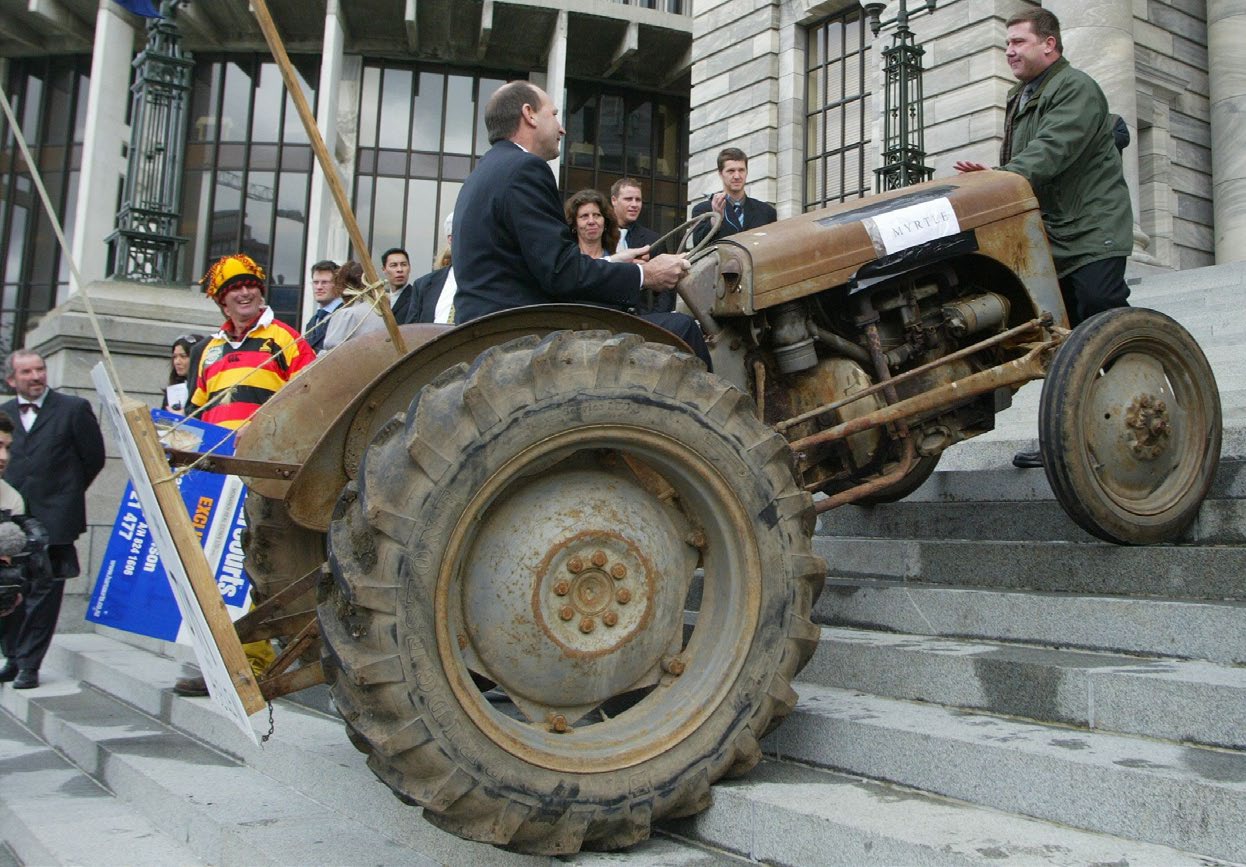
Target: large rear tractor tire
535	522
1129	426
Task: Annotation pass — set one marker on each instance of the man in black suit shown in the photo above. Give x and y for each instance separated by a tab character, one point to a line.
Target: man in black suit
739	212
328	297
513	247
627	200
396	265
57	452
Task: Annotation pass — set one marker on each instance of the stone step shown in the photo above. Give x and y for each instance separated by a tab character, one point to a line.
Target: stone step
780	812
1191	798
1211	631
1099	568
223	810
53	813
1213	280
1219	522
1170	699
1016	486
786	813
309	759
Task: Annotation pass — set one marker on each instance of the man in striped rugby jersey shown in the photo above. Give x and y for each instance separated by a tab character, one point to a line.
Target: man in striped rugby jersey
236	371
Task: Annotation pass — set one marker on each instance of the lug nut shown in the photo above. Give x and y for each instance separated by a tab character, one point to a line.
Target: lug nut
587	624
562	588
618	571
673	665
575	565
558	723
624	596
566	612
599	558
696	539
610	618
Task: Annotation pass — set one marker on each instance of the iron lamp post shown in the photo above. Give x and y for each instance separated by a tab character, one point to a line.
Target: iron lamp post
904	137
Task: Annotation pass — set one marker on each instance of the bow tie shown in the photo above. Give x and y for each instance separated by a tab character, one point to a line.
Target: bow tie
28	407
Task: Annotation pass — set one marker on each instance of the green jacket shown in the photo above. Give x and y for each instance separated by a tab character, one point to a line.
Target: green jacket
1061	142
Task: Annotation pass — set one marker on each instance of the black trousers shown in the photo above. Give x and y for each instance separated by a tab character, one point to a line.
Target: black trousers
1094	288
26	633
685	328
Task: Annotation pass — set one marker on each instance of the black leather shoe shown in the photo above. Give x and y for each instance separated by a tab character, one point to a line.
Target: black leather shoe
27	678
8	673
1028	460
195	687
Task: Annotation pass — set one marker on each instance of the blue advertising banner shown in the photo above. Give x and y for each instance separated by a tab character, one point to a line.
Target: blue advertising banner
132	590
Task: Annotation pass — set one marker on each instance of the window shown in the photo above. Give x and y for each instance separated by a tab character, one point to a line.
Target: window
49	97
421	130
838	110
612	133
248	171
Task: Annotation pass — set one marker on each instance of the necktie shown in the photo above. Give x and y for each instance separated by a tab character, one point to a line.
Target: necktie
316	319
736	212
27	407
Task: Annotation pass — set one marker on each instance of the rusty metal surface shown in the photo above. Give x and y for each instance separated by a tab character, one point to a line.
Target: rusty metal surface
231	466
308	675
1020	244
275	607
801	255
332	460
860	492
572	508
288	426
1012	334
1033	365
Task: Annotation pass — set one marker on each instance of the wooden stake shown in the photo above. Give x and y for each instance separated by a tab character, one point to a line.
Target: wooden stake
138	418
327	166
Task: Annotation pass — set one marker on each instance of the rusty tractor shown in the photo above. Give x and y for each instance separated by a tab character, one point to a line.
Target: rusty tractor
561	576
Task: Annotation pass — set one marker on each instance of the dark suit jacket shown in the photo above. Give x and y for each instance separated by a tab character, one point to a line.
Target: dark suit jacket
641	236
53	464
512	245
428	293
756	213
650	301
406	305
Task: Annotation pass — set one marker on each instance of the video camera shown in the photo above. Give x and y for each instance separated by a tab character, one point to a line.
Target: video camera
23	558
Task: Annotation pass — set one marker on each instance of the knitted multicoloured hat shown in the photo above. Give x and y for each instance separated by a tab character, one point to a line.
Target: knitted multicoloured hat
229	272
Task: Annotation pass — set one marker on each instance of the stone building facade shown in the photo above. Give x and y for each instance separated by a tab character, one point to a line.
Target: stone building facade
795	84
650	88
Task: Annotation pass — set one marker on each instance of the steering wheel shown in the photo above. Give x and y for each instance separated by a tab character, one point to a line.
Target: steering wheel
686	233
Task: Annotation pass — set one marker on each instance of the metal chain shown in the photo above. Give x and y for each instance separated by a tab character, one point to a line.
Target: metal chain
272	727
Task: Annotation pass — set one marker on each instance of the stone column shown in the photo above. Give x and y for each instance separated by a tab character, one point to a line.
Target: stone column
1099	40
104	143
1226	30
322	212
556	74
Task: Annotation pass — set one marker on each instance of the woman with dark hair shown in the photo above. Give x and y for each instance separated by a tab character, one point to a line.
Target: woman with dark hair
592	223
176	392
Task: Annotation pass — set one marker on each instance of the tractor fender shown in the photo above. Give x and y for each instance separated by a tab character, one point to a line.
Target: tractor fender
370	387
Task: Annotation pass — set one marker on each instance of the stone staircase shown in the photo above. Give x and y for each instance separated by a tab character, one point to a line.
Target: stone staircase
993	686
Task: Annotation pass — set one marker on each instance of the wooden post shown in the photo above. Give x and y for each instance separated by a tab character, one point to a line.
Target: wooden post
137	416
334	180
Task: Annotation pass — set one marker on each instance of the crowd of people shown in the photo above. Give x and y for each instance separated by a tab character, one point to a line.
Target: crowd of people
516	243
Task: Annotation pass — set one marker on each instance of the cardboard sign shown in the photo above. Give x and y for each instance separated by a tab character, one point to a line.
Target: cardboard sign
132	590
224	665
916	224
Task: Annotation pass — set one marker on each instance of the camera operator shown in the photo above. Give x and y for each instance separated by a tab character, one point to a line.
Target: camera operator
23	544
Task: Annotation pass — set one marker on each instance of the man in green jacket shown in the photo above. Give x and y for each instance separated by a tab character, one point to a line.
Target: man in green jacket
1058	136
